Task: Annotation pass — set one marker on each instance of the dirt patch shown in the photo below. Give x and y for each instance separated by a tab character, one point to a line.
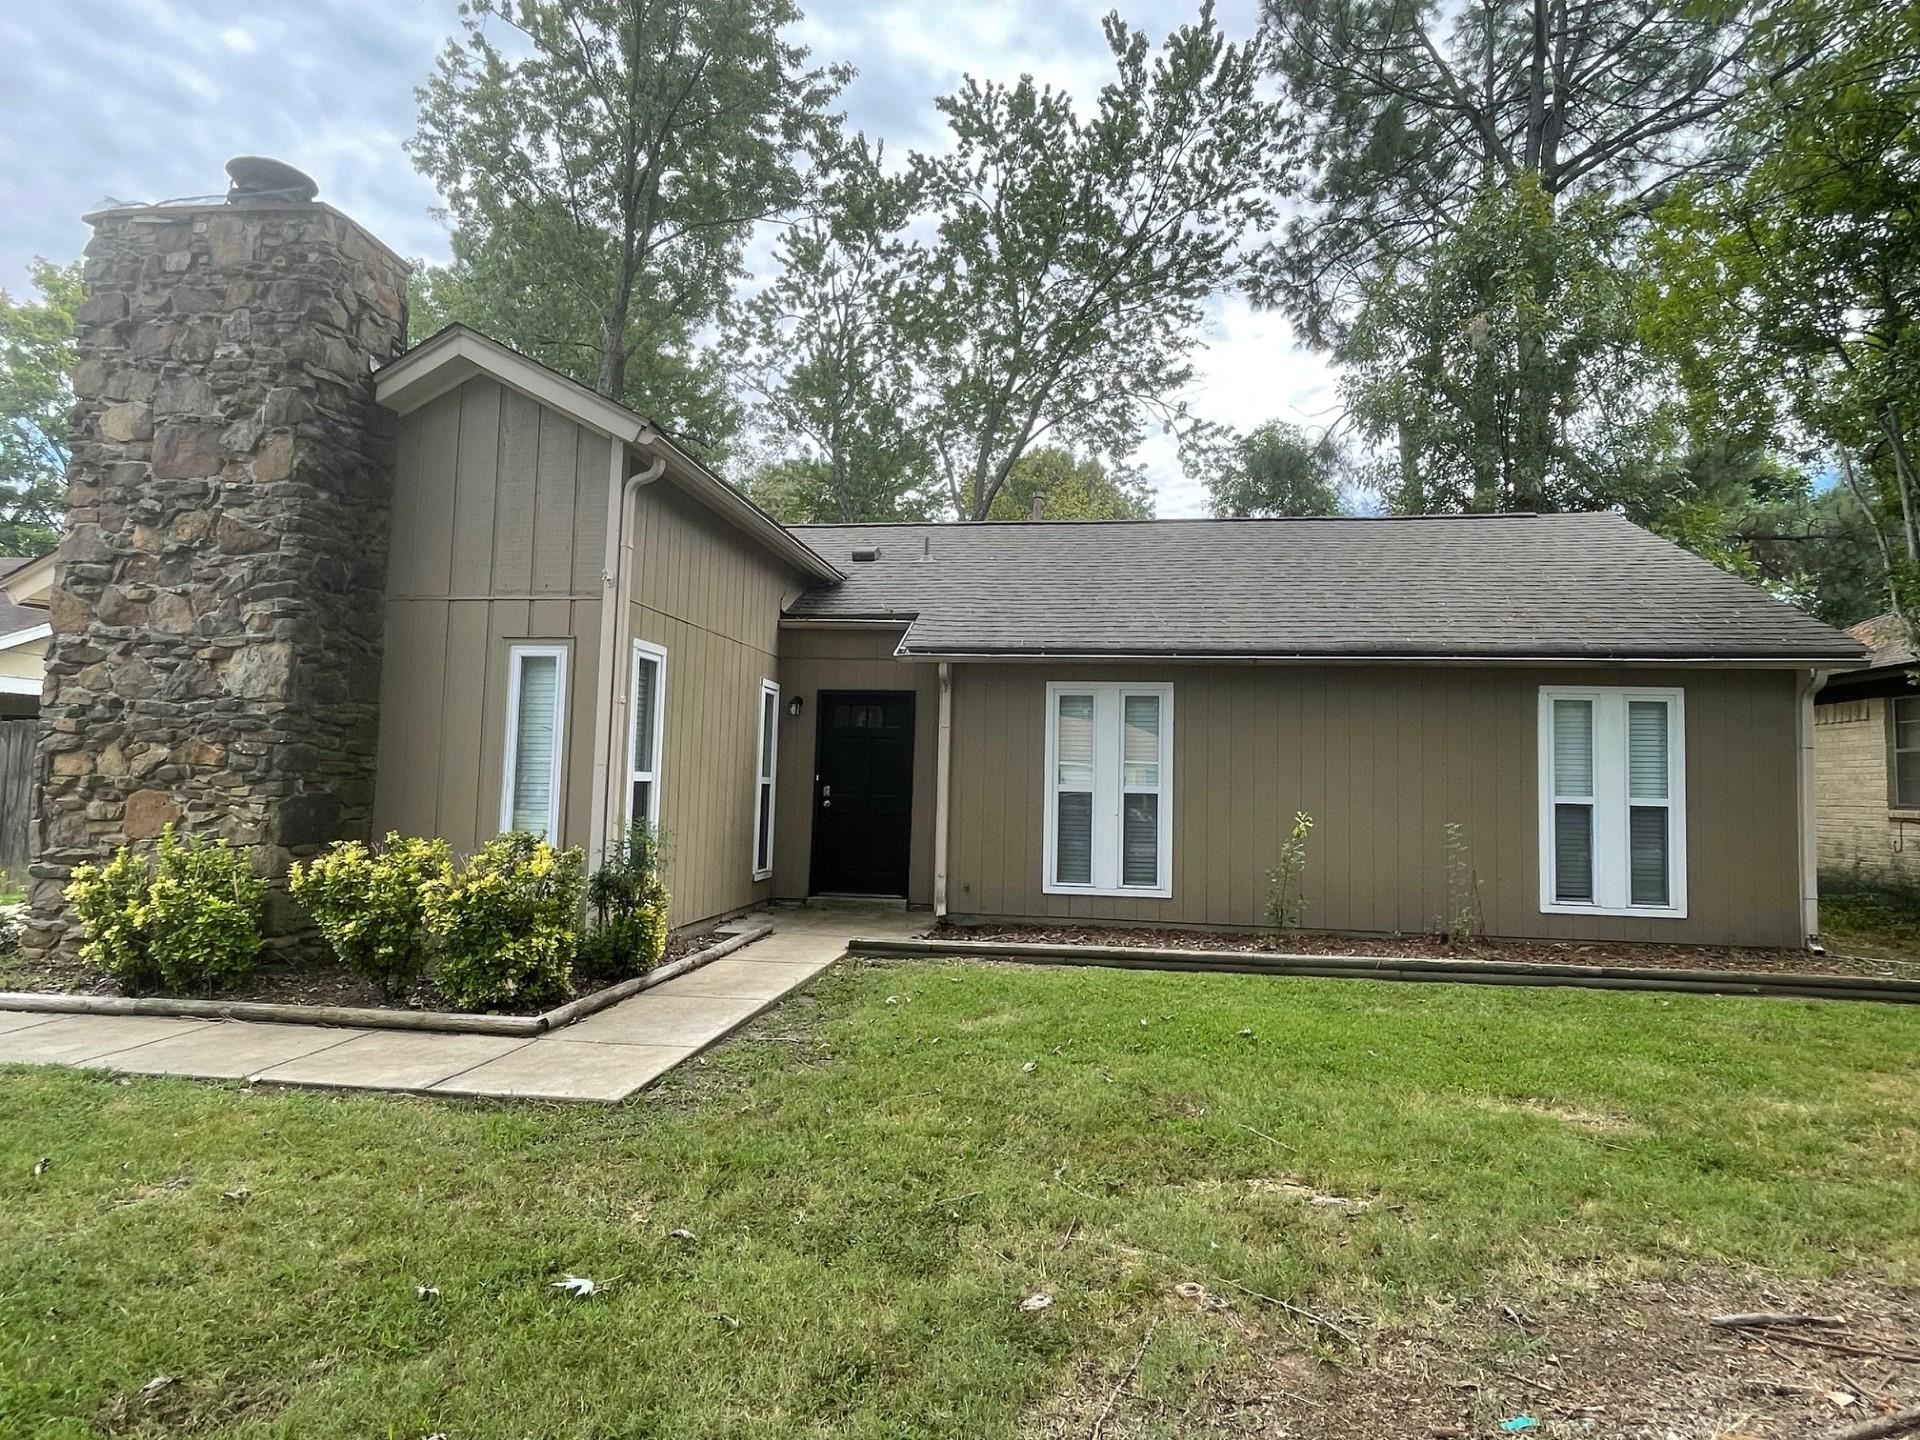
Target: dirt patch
1638	1362
1593	1121
1427	947
318	983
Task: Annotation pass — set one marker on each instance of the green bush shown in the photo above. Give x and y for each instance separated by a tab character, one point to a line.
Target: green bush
629	904
505	925
187	919
369	904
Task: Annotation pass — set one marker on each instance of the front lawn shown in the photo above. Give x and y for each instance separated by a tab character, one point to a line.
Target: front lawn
830	1226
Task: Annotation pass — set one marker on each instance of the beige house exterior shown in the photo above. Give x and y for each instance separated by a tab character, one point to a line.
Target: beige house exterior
584	625
1868	796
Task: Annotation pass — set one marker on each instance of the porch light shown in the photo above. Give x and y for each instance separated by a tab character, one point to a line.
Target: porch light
795	705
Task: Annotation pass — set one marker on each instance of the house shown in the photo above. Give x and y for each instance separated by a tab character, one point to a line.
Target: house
23	633
317	584
1867	757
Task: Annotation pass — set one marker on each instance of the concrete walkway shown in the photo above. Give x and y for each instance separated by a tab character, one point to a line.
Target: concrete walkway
607	1056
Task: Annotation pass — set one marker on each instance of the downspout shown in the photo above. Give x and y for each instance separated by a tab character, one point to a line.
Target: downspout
1810	682
616	578
942	790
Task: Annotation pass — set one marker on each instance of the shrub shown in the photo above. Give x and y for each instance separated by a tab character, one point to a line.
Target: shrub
1286	893
186	919
505	925
629	904
369	905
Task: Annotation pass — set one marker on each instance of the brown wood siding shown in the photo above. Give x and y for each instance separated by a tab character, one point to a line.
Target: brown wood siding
711	599
499	537
815	660
1383	758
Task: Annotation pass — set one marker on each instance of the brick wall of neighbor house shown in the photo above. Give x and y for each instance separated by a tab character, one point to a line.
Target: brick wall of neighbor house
217	601
1860	840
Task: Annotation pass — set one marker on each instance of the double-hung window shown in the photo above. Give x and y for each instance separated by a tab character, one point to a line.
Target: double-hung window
647	712
536	739
1613	820
767	756
1109	817
1904	762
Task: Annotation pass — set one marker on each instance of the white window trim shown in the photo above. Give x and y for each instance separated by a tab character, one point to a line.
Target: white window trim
650	772
1611	801
1110	789
516	656
763	721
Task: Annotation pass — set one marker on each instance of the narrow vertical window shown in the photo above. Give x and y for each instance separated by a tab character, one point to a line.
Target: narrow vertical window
1109	787
1613	830
768	758
647	716
536	739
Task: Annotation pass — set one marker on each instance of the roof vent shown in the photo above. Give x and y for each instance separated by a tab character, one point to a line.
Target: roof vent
255	177
865	554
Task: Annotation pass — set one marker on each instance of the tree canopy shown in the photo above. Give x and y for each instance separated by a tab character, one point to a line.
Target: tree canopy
36	365
1278	469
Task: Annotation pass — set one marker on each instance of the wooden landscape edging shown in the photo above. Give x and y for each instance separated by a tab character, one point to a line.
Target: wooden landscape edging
1371	967
368	1017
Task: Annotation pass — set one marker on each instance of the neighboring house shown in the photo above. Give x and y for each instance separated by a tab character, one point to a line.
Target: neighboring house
23	633
1575	728
1867	755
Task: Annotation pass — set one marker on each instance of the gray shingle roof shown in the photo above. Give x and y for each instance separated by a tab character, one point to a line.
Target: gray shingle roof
1550	586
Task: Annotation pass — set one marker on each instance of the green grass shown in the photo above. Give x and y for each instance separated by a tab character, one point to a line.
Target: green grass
872	1188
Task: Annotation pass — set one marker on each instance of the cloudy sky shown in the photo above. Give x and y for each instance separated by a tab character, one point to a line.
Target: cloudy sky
143	100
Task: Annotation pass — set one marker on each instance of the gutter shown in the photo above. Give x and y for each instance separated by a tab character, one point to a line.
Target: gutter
617	583
1809	685
942	792
1197	657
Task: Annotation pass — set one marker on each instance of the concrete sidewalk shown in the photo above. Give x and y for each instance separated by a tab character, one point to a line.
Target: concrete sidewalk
607	1056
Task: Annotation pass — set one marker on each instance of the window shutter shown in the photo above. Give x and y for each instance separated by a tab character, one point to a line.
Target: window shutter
536	730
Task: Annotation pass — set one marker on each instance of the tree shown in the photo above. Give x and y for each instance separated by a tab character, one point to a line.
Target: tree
1443	140
1061	297
1278	469
1787	297
820	346
1051	483
1504	370
36	365
605	177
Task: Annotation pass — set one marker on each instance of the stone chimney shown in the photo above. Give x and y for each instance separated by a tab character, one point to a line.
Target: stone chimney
217	601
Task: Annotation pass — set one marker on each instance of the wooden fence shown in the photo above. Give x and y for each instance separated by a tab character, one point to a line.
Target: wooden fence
16	797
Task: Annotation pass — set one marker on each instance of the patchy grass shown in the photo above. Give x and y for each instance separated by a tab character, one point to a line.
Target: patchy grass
880	1171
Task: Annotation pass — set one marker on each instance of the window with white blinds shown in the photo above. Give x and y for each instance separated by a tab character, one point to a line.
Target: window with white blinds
646	715
1109	816
536	739
768	757
1612	801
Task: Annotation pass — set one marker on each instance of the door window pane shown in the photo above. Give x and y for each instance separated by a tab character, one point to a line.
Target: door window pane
1647	749
1140	841
1074	838
1573	747
1073	751
1140	741
1573	853
1647	858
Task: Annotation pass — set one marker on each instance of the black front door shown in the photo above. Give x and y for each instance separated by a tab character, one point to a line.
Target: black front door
863	792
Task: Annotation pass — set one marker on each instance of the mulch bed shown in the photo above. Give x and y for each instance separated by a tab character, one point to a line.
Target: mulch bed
320	983
1519	952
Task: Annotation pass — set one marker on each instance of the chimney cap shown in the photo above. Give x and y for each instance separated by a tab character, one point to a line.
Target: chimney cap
256	177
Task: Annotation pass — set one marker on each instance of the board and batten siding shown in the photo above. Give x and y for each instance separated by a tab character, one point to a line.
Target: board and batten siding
1382	757
499	536
710	598
813	660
